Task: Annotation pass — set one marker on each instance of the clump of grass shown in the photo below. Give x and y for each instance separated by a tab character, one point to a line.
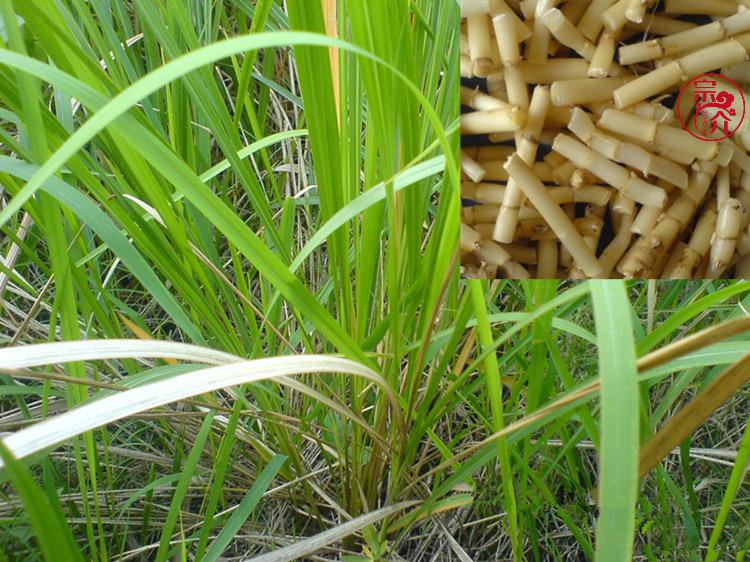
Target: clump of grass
227	238
251	178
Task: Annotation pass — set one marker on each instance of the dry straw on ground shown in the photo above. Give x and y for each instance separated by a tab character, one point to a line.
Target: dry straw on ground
604	180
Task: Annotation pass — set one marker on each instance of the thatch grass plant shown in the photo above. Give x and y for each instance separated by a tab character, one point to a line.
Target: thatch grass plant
207	173
232	324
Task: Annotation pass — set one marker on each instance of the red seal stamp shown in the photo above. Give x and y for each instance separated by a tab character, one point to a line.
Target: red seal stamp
711	107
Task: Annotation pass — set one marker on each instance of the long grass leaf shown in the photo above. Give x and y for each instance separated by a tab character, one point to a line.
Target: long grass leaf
495	393
244	509
52	532
618	458
57	430
735	480
309	546
180	492
37	355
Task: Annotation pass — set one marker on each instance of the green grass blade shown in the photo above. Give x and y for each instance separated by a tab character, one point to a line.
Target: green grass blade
187	473
727	502
244	509
52	532
495	393
618	464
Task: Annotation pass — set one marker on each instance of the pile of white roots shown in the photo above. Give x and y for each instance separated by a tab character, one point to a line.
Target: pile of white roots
623	189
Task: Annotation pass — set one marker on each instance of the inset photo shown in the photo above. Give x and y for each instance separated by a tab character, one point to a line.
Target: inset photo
605	139
228	264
